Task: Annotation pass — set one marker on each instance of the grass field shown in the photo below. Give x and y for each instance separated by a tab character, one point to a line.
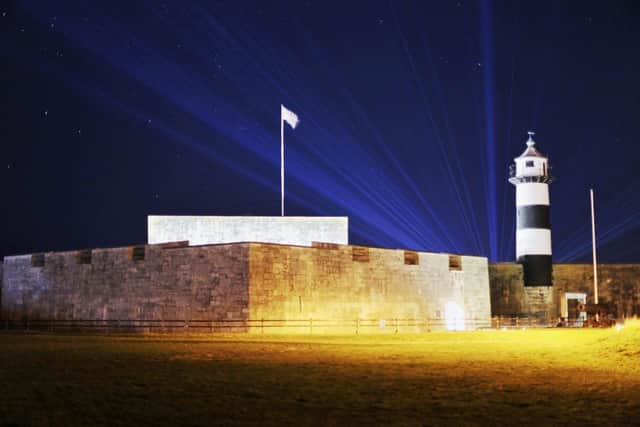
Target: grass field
532	377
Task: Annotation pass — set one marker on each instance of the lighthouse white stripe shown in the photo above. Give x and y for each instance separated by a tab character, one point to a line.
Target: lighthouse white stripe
532	193
533	241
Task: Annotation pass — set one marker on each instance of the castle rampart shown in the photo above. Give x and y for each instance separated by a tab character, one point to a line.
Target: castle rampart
255	281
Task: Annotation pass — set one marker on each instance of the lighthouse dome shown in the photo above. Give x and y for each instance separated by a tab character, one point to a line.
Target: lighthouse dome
531	150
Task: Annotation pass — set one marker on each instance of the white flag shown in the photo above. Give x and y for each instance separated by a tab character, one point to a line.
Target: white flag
289	116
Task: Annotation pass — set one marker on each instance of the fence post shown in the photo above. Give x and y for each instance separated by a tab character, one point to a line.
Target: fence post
396	326
357	325
262	325
310	325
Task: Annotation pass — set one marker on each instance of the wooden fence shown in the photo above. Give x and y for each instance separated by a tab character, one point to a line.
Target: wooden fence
310	325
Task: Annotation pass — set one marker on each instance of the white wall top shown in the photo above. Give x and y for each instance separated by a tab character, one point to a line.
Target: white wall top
288	230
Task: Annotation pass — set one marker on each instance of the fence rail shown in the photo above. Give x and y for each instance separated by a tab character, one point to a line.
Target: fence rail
514	322
237	325
309	325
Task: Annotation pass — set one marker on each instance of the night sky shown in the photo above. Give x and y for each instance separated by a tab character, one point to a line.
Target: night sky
411	112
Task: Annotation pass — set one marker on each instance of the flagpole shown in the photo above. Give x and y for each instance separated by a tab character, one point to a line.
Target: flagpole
281	165
593	239
291	118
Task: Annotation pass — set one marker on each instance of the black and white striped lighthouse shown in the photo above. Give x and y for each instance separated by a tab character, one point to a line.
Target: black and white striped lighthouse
533	234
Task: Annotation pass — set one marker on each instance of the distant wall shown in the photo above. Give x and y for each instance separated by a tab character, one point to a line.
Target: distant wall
170	284
204	230
618	285
349	282
619	289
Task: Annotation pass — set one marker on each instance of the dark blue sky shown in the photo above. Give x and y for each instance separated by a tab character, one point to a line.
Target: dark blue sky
411	112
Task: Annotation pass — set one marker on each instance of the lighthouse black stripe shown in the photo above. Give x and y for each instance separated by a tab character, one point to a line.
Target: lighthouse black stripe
537	269
533	216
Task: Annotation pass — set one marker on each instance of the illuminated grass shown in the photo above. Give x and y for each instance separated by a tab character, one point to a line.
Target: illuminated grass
532	377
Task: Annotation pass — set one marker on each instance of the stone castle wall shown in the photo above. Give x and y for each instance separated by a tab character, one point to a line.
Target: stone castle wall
248	281
168	284
619	289
278	282
350	282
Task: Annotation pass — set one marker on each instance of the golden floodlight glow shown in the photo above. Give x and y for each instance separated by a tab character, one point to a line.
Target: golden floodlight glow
453	317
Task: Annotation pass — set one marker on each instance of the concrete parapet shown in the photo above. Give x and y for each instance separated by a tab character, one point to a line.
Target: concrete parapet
289	230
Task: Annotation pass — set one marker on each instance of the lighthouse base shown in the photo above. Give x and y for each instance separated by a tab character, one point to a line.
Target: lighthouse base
538	302
536	269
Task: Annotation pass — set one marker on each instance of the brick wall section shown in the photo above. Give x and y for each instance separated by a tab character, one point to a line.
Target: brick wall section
183	283
23	284
302	283
477	299
507	289
509	296
619	289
